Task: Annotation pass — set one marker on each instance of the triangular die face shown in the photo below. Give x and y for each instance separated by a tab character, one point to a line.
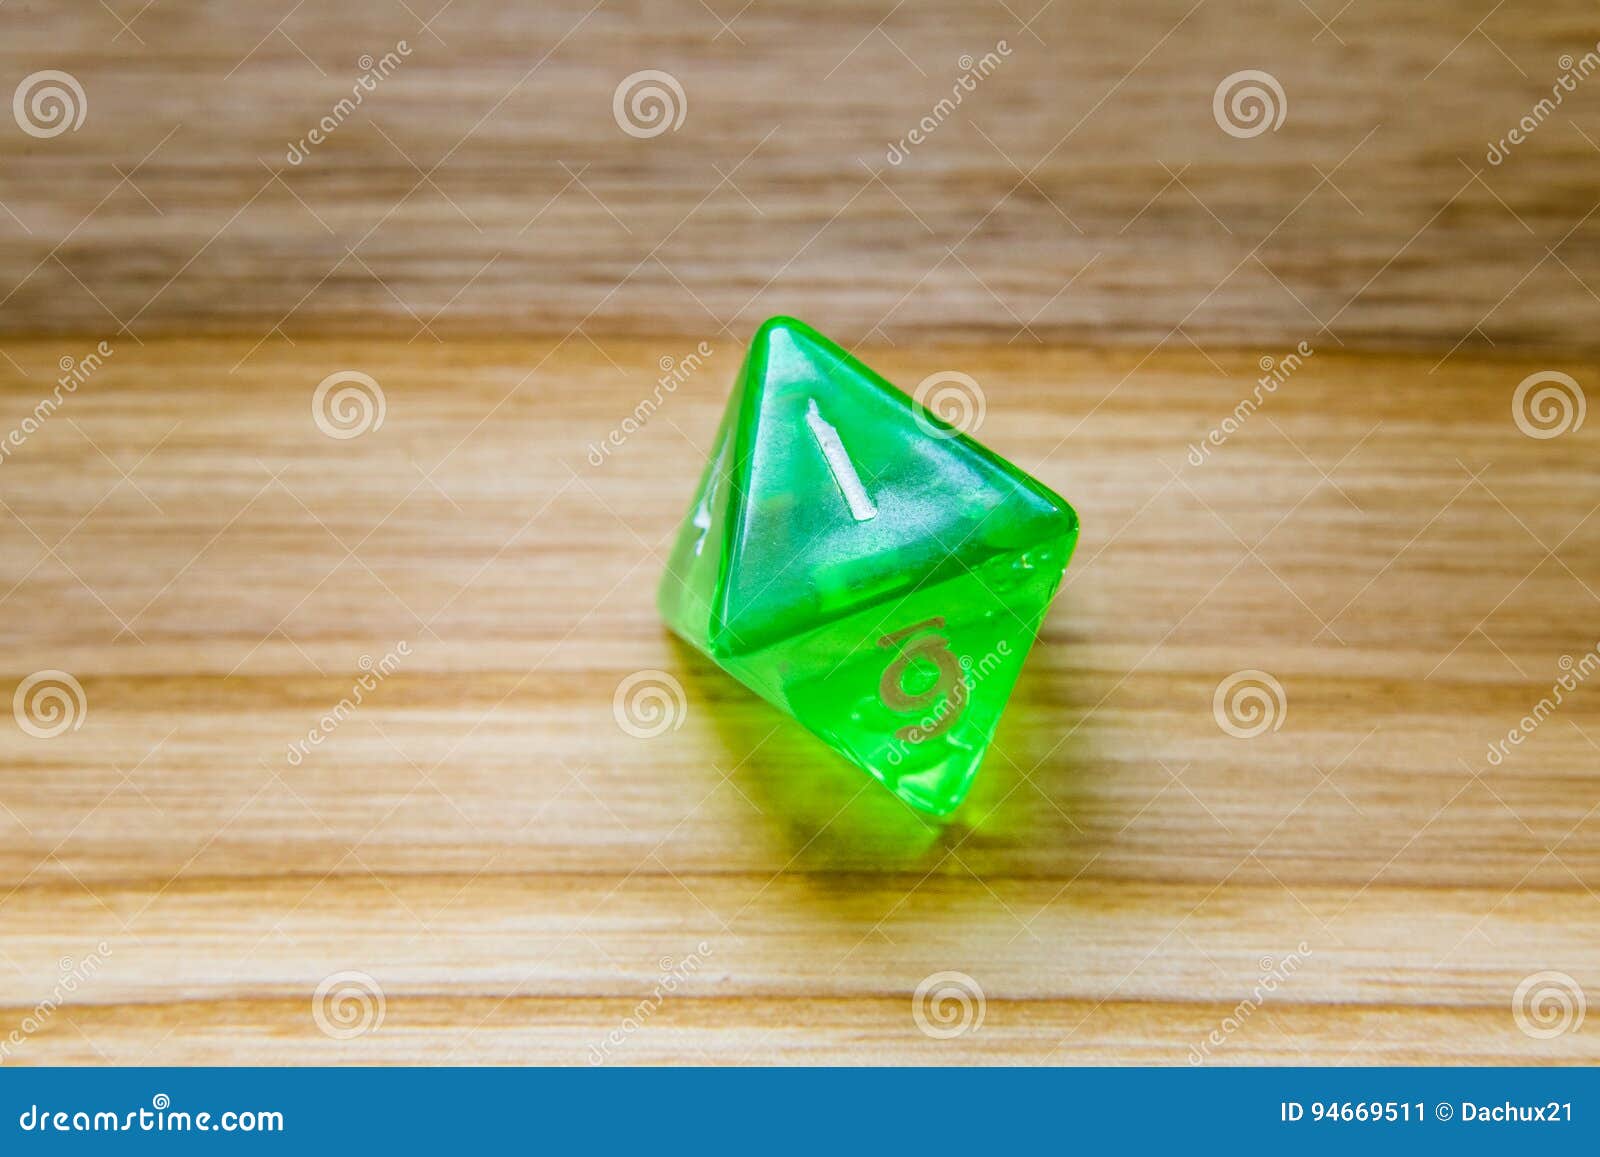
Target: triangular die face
846	493
912	690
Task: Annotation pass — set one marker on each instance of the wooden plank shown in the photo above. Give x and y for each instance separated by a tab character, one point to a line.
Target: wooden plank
1083	191
798	969
574	935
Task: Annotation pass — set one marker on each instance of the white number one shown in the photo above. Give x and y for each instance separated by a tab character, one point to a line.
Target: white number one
844	470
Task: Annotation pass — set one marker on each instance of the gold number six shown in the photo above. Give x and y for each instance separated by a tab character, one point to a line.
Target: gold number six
931	648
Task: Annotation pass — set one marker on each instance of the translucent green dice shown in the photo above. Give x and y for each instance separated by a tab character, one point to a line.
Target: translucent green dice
864	566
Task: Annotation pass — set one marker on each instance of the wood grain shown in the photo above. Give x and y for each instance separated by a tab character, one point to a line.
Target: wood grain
1082	193
483	840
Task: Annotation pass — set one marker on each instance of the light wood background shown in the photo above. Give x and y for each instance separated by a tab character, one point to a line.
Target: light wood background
485	185
484	841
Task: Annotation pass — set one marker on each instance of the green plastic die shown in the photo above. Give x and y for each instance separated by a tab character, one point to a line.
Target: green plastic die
864	566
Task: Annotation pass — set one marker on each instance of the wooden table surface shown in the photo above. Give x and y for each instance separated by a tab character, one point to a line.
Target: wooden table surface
513	869
478	861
